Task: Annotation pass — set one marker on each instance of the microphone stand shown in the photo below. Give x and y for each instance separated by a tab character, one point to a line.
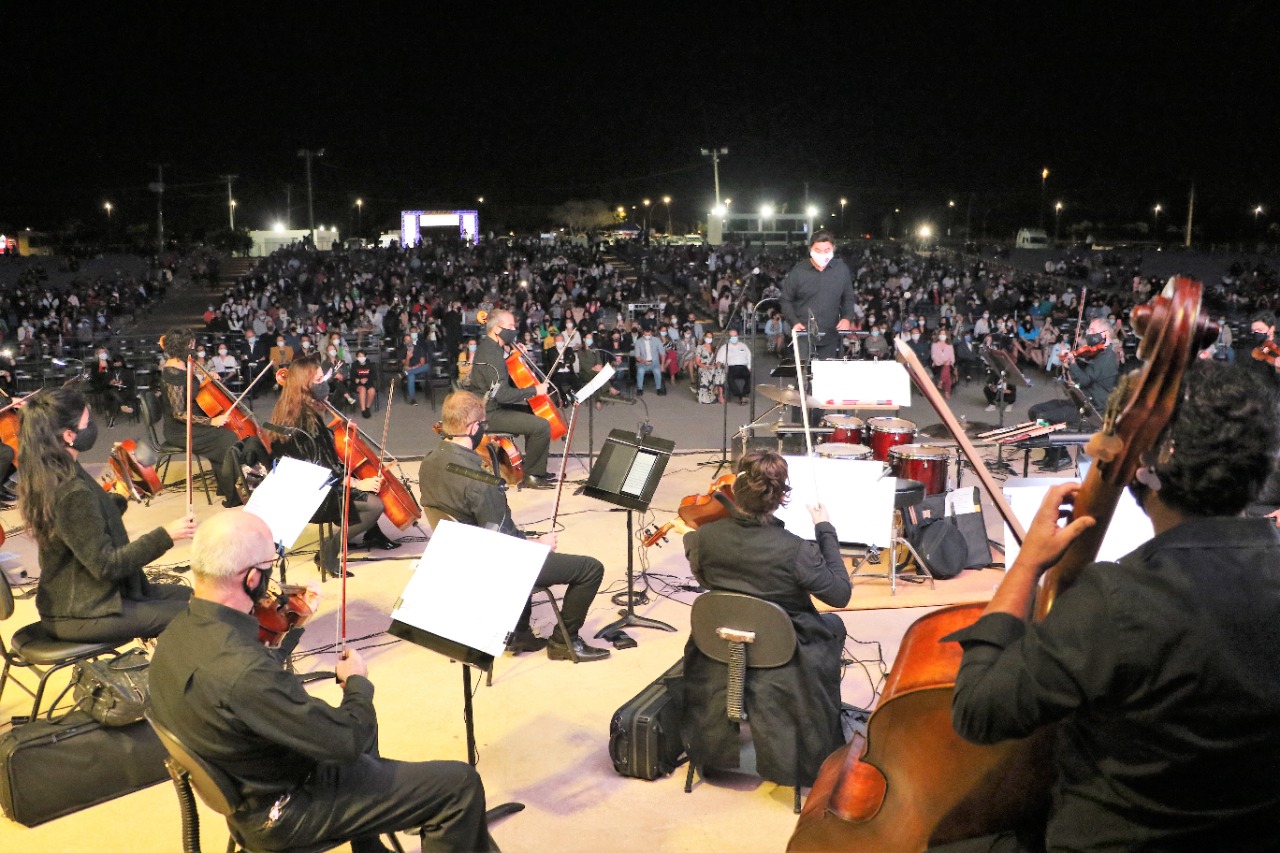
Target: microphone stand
755	321
723	459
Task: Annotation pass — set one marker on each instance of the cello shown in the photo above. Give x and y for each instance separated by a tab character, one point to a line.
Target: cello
215	399
520	368
911	782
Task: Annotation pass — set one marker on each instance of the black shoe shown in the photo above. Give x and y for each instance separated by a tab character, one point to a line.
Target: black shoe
662	392
365	413
375	538
585	653
412	402
525	641
533	482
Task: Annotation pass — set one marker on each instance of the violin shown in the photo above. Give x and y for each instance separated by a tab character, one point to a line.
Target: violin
715	503
277	614
129	477
498	455
1089	350
1268	351
214	399
366	461
521	372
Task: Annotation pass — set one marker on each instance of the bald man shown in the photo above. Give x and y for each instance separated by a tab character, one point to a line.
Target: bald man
308	772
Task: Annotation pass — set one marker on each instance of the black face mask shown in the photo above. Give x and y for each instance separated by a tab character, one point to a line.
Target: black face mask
1093	339
1259	337
478	435
320	391
258	591
86	438
507	336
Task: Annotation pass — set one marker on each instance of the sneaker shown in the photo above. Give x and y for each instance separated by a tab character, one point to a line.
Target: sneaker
990	408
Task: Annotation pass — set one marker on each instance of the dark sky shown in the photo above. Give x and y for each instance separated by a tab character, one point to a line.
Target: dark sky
904	104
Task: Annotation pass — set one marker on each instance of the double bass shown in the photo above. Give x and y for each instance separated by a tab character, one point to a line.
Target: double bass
911	782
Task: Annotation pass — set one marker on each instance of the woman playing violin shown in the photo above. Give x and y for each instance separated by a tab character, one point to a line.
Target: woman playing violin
92	587
507	409
300	412
208	439
798	725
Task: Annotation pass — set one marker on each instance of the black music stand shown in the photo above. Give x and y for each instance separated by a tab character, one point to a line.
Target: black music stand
627	475
999	365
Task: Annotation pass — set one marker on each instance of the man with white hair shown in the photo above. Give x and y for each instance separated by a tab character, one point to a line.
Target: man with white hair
308	773
1096	373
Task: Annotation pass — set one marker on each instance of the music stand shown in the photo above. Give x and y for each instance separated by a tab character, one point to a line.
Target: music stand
1000	365
626	475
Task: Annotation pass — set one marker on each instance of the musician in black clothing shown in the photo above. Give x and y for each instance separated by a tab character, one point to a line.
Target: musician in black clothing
208	438
1262	330
1096	376
507	406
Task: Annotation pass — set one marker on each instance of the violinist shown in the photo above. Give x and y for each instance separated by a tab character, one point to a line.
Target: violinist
308	772
1265	359
798	725
507	409
1159	670
463	419
92	587
298	413
1096	373
208	438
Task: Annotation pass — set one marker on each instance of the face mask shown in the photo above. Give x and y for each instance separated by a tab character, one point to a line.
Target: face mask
942	339
507	336
875	333
477	436
915	336
222	351
1259	337
568	326
320	391
1093	339
306	344
471	347
560	345
821	259
688	335
414	337
102	356
259	590
733	339
280	343
708	340
332	352
85	438
361	359
589	342
249	339
200	353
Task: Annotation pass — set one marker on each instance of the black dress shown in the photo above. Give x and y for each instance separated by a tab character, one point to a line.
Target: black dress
794	708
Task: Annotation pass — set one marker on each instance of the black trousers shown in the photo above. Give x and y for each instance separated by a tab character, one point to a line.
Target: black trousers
536	432
738	380
145	618
582	576
210	442
373	796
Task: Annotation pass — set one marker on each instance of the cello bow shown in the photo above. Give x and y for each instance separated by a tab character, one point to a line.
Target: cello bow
191	507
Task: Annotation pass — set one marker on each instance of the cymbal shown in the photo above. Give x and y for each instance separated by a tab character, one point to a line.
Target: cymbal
787	396
971	429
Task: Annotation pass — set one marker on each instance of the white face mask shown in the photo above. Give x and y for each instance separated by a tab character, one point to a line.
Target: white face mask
222	351
200	353
361	359
733	339
708	340
821	259
332	352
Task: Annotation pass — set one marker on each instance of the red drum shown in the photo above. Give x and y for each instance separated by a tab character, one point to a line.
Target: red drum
887	433
925	463
840	450
844	428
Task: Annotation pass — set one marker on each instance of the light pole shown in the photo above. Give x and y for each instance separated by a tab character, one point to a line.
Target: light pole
1057	220
231	204
951	216
715	154
107	207
843	202
1155	221
666	199
306	154
810	212
1257	211
232	207
1044	177
646	221
360	216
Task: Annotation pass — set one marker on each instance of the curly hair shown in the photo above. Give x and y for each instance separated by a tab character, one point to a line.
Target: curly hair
177	343
761	484
1216	453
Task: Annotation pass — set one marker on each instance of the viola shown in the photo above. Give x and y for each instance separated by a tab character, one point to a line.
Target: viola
277	614
912	782
1268	351
521	373
715	503
366	461
129	477
498	455
214	399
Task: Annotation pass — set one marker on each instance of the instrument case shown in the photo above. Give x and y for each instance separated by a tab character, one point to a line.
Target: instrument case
51	769
644	734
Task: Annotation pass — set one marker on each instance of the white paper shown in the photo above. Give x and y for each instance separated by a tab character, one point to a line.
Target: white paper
1129	527
470	585
858	500
605	374
871	382
962	501
288	497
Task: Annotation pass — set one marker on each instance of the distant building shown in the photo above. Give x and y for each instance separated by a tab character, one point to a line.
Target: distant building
778	229
266	242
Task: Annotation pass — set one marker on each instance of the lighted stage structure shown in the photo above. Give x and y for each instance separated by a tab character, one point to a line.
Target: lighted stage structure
412	222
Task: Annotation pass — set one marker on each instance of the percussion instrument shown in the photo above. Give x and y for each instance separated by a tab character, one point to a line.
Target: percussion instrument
889	432
845	428
926	463
786	396
841	450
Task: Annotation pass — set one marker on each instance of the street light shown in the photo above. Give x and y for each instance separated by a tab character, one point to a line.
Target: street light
1044	176
646	221
1257	211
843	202
360	215
231	206
766	213
1057	220
1155	220
107	207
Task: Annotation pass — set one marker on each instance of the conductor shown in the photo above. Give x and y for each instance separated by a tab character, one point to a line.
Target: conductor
822	287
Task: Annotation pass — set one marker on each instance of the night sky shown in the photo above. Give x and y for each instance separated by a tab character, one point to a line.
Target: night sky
906	105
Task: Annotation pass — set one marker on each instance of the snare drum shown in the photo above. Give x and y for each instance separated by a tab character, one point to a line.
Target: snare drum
840	450
923	462
844	428
887	433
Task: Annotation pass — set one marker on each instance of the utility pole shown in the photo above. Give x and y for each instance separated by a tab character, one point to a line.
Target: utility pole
288	207
1191	207
231	202
157	187
715	154
307	154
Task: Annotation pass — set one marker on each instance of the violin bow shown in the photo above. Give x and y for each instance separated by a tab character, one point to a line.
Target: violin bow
386	425
564	462
235	403
190	484
346	515
804	408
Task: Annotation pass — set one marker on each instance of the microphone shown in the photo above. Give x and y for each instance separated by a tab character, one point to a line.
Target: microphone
278	429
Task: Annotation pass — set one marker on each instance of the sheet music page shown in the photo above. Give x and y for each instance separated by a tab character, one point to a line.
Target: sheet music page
871	382
605	374
1129	527
641	467
288	497
859	502
470	585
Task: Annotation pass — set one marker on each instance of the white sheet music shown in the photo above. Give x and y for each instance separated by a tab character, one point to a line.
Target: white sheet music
470	585
288	497
1129	527
605	374
641	468
859	502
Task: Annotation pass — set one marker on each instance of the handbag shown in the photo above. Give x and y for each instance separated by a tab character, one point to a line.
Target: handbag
971	525
112	691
